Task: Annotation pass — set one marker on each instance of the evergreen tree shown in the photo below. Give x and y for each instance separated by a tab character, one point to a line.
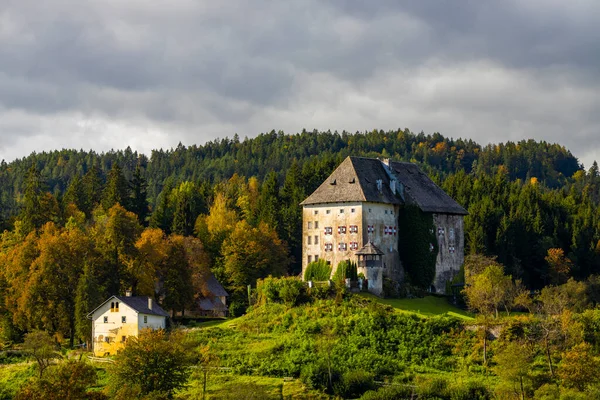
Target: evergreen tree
139	200
88	297
93	186
75	194
116	190
162	217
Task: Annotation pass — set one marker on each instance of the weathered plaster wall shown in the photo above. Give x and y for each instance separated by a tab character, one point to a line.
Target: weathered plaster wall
114	329
380	215
333	219
451	243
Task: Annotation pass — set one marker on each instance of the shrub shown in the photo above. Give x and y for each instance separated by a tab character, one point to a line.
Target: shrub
237	309
345	269
389	393
354	383
291	291
318	271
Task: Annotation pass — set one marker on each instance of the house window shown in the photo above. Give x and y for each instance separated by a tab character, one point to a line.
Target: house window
123	319
145	319
353	210
117	306
316	239
309	259
341	210
308	240
106	320
112	307
309	225
327	211
316	224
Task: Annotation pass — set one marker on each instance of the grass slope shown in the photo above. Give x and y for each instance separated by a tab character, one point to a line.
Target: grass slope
428	306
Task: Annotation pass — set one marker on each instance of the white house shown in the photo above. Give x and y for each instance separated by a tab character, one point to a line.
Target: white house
120	317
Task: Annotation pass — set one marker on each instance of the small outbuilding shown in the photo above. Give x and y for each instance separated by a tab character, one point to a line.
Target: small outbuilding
120	317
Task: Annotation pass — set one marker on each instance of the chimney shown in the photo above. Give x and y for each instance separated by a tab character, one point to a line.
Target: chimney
128	293
150	303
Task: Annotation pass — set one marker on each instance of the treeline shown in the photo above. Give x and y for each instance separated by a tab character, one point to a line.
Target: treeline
523	198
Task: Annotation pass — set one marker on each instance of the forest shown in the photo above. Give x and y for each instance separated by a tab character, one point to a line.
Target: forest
79	226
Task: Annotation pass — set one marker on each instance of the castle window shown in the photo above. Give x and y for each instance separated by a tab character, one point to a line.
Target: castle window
353	228
327	211
123	319
341	229
316	239
316	212
316	258
451	233
316	224
341	210
309	224
106	320
342	246
309	259
123	338
352	210
328	230
328	246
386	211
369	210
308	240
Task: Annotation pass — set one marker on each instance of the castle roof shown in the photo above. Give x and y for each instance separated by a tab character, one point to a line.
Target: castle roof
355	180
423	192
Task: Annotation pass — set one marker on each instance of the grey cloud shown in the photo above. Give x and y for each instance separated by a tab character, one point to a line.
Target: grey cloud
196	70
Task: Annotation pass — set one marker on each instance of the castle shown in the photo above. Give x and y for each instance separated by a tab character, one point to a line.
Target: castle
353	216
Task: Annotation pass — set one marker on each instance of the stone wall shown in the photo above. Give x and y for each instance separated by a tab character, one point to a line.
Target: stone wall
451	243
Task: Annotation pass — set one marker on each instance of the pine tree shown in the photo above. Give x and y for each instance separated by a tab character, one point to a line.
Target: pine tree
139	200
116	190
75	194
88	297
93	186
162	217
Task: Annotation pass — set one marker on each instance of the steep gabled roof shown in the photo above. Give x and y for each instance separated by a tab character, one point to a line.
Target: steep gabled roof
355	180
214	288
137	303
423	192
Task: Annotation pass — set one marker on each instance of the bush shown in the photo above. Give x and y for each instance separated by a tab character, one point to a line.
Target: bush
237	309
354	383
318	271
289	290
345	269
389	393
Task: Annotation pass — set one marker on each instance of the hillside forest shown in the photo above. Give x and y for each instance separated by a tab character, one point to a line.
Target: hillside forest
79	226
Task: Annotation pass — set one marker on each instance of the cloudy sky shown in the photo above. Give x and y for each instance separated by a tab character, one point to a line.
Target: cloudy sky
148	74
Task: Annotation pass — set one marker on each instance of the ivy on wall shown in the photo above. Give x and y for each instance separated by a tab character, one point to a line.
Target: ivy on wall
418	245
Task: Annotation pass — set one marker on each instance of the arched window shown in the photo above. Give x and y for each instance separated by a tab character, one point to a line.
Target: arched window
117	306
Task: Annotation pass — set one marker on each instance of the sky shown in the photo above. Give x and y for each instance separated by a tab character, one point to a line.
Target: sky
108	74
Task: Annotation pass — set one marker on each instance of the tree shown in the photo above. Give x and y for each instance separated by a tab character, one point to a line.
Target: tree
38	206
93	185
41	347
88	297
559	266
69	381
488	290
513	363
208	360
579	367
250	253
116	190
139	196
155	361
178	286
187	206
